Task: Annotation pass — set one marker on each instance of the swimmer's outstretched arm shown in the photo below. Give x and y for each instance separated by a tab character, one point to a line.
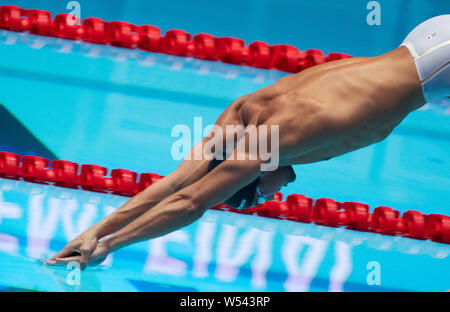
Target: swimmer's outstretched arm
187	173
179	209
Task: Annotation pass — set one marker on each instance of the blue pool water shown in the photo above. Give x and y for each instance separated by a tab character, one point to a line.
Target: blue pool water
117	108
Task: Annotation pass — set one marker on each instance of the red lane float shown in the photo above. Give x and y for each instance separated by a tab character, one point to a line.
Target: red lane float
34	169
385	220
123	182
327	211
146	180
92	178
286	58
415	224
11	18
300	207
204	46
64	27
9	165
231	50
260	54
40	22
177	42
357	216
313	57
65	173
438	228
150	38
122	34
95	30
333	56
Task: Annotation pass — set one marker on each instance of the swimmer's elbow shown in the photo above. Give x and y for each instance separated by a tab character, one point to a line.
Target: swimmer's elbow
195	210
190	206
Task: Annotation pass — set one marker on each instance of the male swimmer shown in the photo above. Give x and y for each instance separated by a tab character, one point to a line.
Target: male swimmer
322	112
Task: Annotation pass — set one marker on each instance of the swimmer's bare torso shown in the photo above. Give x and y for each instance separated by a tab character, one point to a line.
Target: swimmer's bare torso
334	108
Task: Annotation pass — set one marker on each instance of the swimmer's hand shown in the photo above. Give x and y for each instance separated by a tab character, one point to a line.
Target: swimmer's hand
80	248
97	256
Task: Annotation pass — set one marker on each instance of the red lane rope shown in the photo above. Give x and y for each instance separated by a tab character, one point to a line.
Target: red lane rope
204	46
296	207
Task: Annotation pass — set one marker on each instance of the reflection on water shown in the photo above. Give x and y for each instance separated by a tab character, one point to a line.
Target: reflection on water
221	252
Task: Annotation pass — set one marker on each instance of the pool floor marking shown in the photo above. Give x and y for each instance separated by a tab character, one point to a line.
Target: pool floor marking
297	207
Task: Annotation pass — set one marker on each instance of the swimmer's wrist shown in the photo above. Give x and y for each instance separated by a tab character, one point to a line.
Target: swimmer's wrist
96	231
105	227
108	243
113	242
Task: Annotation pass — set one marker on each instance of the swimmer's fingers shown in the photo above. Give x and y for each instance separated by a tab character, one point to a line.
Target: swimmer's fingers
66	251
85	252
63	261
99	254
89	258
67	260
